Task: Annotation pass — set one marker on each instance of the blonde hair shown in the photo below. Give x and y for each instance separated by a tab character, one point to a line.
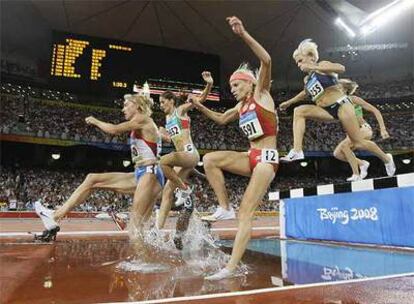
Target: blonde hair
348	86
307	48
143	103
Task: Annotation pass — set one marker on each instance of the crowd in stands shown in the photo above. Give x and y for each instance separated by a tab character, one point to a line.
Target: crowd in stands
371	91
325	136
166	84
388	90
55	119
27	91
23	186
49	114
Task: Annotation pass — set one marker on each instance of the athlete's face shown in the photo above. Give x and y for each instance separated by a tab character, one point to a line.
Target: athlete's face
241	89
167	105
129	110
302	59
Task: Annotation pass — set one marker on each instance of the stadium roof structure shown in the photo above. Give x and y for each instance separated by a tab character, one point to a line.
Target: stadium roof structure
200	26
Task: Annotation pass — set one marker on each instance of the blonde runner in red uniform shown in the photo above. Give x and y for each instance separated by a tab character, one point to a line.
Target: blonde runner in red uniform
257	119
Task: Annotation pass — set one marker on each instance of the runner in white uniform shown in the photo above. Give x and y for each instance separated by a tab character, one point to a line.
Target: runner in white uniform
145	183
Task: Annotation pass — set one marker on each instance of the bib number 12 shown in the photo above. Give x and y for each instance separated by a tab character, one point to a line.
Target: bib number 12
270	156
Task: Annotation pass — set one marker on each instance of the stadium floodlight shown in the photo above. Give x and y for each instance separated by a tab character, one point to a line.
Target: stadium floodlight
56	156
384	15
346	28
406	161
126	163
304	164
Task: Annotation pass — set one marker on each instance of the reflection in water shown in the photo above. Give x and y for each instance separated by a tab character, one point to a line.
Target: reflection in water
305	263
180	281
91	271
145	286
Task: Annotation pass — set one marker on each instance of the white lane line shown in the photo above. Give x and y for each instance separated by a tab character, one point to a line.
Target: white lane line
267	290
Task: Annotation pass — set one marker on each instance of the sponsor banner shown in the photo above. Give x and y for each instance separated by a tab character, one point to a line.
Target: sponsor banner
382	216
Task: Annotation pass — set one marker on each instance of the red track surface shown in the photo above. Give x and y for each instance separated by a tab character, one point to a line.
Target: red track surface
394	290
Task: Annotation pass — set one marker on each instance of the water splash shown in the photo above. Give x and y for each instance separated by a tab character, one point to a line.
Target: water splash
142	267
152	246
154	250
200	252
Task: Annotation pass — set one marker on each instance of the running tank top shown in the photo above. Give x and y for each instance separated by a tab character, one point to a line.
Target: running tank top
358	111
256	122
142	149
317	83
176	124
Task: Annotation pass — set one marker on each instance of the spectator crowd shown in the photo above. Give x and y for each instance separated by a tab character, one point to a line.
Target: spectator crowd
48	115
63	120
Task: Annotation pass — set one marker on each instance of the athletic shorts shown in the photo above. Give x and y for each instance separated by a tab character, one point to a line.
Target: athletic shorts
154	169
334	108
270	156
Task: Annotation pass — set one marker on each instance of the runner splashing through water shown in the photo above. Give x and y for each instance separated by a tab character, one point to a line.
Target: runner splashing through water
178	165
145	183
258	121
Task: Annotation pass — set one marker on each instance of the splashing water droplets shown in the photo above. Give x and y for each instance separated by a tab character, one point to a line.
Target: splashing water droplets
154	250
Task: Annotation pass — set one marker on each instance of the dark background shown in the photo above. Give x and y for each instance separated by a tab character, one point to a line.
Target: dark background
142	63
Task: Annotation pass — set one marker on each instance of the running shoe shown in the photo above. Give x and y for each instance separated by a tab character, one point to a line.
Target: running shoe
390	166
182	195
363	169
46	215
354	178
220	214
293	155
47	235
220	275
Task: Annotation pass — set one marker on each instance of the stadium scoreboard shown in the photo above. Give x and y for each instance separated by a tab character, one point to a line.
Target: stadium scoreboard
89	64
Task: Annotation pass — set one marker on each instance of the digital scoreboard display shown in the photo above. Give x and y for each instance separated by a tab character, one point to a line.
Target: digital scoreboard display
93	65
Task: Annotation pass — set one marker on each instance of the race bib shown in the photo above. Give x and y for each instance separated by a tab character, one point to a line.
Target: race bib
135	155
270	156
173	130
250	125
151	169
189	148
314	88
